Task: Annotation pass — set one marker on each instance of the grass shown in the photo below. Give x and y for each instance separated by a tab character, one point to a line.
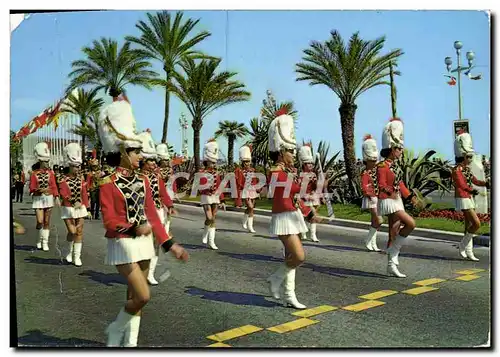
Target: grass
353	212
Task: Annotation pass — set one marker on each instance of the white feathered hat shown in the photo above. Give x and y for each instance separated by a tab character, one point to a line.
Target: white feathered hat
148	145
211	151
463	145
282	132
392	136
72	154
245	153
117	128
42	152
162	152
305	154
370	151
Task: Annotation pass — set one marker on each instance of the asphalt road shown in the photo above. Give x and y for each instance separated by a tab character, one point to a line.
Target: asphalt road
216	291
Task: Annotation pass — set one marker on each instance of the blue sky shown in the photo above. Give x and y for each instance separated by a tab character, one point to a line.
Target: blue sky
263	47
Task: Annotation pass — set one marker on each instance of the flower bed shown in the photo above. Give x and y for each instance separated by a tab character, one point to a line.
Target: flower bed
452	214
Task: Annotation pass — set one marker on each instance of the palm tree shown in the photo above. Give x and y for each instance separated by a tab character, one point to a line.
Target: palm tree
203	90
232	130
109	68
168	43
16	149
393	91
86	105
348	71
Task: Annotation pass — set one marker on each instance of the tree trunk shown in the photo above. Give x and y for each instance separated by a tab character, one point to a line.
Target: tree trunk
393	91
83	149
347	112
165	119
196	142
230	151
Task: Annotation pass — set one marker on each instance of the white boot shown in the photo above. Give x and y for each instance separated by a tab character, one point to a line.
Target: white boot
304	234
276	279
374	242
152	268
469	246
395	248
211	238
205	235
45	240
77	248
462	245
132	332
369	238
116	329
313	232
290	298
69	256
245	221
40	239
250	225
392	269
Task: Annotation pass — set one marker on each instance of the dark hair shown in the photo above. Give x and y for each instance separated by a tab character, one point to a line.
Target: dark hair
113	159
273	155
364	162
459	160
35	166
385	153
65	170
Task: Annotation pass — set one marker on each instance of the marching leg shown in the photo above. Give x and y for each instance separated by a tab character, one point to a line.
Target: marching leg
469	247
69	256
463	244
132	331
392	257
206	232
40	239
211	238
290	298
312	228
369	239
276	279
45	240
250	225
78	253
245	221
152	268
116	329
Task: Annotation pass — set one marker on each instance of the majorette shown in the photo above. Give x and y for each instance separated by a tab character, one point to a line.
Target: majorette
93	179
166	172
160	196
312	197
246	183
210	198
391	191
43	187
130	218
464	180
369	187
74	202
287	220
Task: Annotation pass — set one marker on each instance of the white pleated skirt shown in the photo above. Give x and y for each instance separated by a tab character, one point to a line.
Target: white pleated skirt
464	203
209	199
129	250
73	213
43	201
369	203
248	193
286	223
389	206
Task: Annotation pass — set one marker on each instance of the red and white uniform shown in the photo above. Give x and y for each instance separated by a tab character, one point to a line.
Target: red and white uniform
160	194
126	203
369	188
73	189
463	179
312	197
388	184
246	190
209	196
288	212
39	180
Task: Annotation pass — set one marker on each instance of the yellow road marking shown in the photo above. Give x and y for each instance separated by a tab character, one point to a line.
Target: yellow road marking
378	294
468	277
470	271
235	332
363	305
292	325
420	290
315	311
218	344
429	281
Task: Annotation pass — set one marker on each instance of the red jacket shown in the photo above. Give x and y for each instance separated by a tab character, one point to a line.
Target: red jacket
165	176
121	215
159	190
463	180
367	184
240	175
216	182
286	204
43	178
73	189
386	184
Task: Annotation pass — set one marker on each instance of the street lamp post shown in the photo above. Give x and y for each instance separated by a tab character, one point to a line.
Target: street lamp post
448	61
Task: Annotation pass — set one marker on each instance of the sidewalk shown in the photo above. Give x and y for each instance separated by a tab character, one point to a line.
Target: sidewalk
420	232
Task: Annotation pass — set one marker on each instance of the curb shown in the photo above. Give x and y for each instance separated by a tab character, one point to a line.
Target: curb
421	232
